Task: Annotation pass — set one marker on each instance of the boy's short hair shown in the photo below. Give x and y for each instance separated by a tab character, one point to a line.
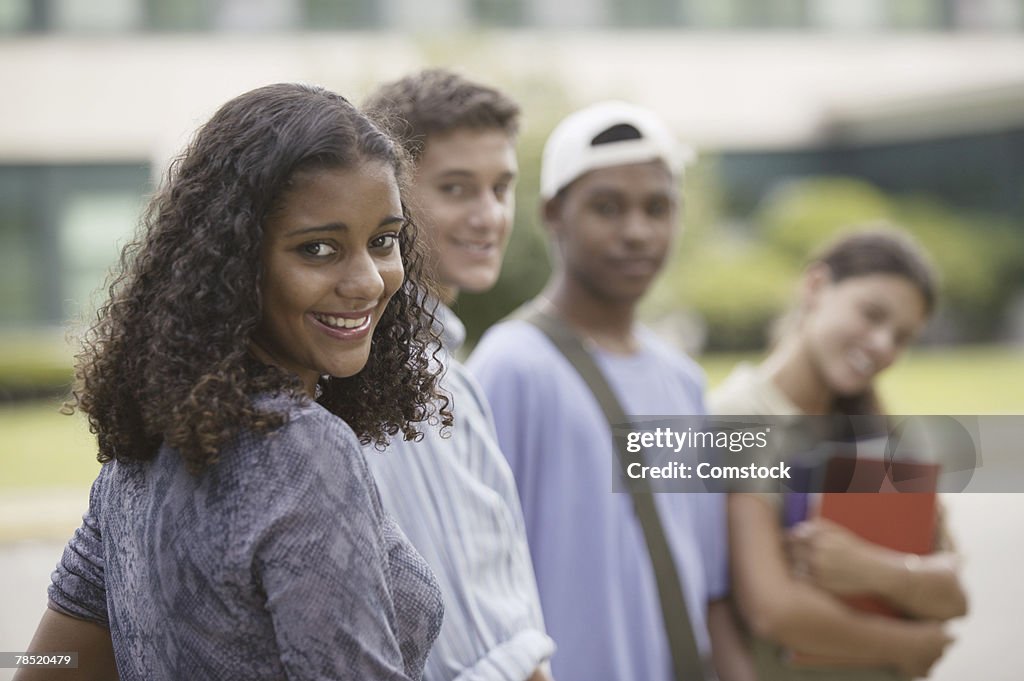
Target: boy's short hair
438	101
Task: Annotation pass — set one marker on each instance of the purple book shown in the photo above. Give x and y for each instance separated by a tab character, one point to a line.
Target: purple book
794	508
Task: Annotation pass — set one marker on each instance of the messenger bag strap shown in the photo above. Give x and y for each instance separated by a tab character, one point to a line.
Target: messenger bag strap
686	660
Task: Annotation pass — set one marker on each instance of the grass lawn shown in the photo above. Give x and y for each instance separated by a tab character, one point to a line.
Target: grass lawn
41	448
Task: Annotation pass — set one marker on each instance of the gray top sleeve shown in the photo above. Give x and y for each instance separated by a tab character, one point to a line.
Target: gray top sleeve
77	586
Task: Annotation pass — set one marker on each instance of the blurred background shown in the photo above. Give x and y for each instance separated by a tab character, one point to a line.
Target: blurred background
807	116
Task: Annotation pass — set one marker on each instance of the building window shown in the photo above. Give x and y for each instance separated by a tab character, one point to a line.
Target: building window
645	13
96	15
61	229
498	13
16	16
182	15
333	15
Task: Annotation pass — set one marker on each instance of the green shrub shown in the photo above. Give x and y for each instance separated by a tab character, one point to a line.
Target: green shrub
738	277
34	362
978	259
800	215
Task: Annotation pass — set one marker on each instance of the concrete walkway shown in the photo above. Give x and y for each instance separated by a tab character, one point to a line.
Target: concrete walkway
41	514
34	526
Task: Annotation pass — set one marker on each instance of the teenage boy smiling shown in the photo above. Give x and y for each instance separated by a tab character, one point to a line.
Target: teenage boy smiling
464	186
455	497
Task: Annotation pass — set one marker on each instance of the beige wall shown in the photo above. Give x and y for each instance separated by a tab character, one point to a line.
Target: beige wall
80	99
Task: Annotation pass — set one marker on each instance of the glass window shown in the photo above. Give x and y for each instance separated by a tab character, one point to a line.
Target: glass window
646	13
712	13
15	15
498	13
93	227
21	297
342	14
988	14
61	229
915	14
181	15
96	15
774	13
257	15
843	15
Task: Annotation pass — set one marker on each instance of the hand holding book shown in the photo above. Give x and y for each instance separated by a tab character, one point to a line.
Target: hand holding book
835	559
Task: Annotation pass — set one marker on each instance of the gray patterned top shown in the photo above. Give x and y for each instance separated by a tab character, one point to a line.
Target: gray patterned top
277	562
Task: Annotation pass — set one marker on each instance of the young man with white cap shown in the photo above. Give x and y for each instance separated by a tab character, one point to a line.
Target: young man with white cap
610	186
453	495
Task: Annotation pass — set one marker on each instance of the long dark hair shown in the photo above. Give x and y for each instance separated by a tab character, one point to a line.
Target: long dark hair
877	249
167	359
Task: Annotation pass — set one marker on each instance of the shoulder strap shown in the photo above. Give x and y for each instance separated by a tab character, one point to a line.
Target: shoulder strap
686	660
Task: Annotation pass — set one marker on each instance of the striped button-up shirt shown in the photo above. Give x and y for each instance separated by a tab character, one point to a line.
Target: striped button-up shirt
455	498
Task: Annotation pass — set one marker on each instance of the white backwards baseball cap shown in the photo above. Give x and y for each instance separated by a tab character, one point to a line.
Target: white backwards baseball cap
570	150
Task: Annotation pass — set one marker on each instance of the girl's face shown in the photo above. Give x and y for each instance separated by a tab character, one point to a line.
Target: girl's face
855	328
331	263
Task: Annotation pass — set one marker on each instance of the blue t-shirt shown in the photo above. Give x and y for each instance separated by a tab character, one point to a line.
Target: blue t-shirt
597	587
276	562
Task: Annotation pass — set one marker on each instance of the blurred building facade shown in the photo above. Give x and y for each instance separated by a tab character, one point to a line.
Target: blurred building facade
415	15
99	95
965	147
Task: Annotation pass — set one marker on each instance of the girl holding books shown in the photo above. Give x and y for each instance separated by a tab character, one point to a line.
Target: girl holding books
862	301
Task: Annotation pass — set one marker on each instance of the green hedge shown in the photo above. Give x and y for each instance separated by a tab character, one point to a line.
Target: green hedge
739	276
34	362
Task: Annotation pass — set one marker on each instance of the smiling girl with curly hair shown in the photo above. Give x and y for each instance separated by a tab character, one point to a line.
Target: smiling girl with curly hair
266	323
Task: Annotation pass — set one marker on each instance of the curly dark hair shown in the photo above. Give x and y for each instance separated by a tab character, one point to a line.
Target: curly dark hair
168	360
438	101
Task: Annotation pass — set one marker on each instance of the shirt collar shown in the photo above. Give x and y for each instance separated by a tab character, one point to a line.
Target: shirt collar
453	331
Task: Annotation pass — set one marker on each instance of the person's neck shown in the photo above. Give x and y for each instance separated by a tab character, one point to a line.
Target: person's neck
607	324
793	373
447	294
309	379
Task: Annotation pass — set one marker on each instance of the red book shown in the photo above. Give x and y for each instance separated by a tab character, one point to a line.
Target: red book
892	504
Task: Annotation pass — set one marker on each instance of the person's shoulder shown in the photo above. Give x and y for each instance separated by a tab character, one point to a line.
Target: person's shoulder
510	332
514	345
749	390
310	438
459	380
741	393
311	465
673	359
